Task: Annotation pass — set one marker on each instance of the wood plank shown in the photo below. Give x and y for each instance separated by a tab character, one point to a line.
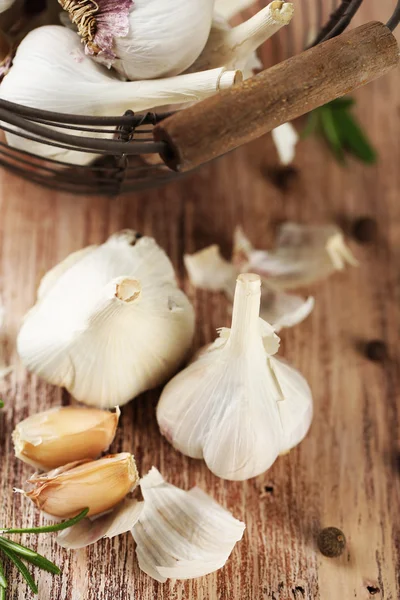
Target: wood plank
346	473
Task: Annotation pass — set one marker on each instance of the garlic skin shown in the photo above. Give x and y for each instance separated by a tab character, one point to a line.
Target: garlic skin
63	435
182	535
285	138
50	71
5	4
229	8
112	325
99	485
144	39
237	406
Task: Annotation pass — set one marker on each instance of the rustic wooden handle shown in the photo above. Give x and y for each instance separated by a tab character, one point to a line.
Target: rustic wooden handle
286	91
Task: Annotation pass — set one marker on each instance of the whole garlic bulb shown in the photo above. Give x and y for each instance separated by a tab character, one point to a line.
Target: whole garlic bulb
237	406
5	4
50	71
144	39
109	323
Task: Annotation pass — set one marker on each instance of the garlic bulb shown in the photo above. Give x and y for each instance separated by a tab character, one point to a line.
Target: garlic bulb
232	47
5	4
229	8
144	39
182	535
110	325
50	71
237	406
99	485
63	435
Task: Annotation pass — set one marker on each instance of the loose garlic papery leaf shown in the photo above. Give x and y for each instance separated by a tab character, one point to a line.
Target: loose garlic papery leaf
207	270
304	254
50	71
285	138
182	535
89	531
63	435
229	8
99	485
111	325
144	39
237	406
232	47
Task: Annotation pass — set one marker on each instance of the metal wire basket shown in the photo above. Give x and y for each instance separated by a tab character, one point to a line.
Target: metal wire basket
128	153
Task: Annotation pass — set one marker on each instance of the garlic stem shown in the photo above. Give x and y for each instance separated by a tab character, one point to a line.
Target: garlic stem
246	310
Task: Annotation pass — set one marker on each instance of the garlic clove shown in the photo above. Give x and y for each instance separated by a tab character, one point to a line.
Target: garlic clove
99	484
225	407
303	254
232	47
51	277
62	435
112	325
90	531
285	138
182	534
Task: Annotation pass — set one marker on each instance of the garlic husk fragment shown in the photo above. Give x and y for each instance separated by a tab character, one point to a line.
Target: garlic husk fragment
89	531
237	406
285	138
5	5
303	254
229	8
207	270
144	39
50	71
63	435
182	535
110	326
232	47
99	485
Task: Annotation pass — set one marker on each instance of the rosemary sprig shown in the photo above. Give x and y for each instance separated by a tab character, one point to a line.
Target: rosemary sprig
17	553
1	403
338	126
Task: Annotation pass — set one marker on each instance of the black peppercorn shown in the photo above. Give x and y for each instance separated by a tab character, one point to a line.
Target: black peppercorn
365	230
331	542
376	350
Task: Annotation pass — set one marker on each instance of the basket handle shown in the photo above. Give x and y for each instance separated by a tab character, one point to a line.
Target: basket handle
286	91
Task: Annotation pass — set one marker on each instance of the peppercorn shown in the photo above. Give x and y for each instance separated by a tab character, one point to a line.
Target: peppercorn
376	350
331	542
365	230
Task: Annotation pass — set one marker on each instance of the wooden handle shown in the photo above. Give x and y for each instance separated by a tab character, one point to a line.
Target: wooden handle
288	90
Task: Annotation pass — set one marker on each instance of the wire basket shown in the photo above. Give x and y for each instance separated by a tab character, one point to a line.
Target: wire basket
128	155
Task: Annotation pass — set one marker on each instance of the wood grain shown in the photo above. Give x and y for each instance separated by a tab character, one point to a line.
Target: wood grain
346	473
282	93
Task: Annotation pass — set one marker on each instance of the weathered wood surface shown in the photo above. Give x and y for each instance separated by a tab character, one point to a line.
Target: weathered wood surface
346	473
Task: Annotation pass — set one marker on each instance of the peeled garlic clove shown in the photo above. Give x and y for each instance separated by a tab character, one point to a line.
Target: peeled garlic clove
50	71
232	47
62	435
180	534
144	39
110	324
90	531
285	138
99	485
237	406
304	254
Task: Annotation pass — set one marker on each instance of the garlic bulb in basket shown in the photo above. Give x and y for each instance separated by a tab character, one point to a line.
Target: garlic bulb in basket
143	39
5	4
109	324
50	71
236	405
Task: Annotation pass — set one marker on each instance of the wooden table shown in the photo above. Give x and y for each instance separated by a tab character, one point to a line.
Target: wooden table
346	473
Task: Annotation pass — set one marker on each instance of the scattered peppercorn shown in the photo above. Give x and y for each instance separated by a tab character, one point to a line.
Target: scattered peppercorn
282	177
365	230
376	350
331	542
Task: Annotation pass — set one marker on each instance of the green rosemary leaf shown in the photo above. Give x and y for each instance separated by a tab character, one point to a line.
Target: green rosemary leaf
353	138
50	528
17	548
3	580
44	564
1	403
22	569
331	133
342	103
2	593
311	125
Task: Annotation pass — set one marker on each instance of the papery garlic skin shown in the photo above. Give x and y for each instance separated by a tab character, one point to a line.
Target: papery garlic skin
99	485
237	406
182	535
113	325
50	71
63	435
5	4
